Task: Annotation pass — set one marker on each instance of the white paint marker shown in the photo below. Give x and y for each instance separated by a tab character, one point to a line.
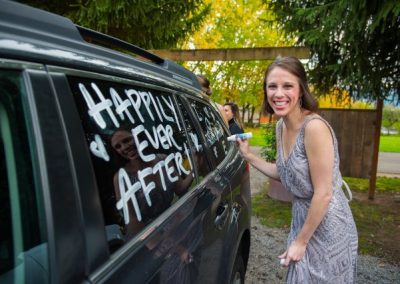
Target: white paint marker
246	135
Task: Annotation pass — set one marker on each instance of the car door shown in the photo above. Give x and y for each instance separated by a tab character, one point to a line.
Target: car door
218	243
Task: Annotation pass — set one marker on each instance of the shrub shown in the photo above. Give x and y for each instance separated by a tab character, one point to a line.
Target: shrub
269	150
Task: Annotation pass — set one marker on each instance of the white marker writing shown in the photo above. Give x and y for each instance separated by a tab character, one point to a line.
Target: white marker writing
127	195
95	109
135	103
97	148
121	106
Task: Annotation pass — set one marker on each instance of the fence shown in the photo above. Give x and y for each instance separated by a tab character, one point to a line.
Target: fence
355	131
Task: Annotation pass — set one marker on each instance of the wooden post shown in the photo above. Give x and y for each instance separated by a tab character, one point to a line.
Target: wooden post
233	54
375	154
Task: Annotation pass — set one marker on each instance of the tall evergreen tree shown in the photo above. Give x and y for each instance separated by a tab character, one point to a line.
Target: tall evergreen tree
151	24
354	44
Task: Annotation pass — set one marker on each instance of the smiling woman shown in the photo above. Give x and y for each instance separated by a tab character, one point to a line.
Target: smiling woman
321	246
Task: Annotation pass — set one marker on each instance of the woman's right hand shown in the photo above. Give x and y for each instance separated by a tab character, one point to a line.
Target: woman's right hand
244	147
258	162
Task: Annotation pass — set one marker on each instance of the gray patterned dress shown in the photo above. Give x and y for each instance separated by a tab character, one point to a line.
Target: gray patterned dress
331	254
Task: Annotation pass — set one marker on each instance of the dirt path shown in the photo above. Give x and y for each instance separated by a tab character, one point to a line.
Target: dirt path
257	179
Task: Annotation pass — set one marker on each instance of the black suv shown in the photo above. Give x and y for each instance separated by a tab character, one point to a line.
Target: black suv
114	168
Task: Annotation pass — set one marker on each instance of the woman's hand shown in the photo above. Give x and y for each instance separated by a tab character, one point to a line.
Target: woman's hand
294	253
244	147
259	163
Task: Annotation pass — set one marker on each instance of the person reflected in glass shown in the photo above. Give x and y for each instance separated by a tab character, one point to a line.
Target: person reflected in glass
233	116
128	158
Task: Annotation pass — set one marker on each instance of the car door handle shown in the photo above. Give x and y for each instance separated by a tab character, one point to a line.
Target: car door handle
222	214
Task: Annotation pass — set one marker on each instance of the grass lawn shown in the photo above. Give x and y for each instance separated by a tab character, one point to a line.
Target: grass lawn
258	136
388	143
377	221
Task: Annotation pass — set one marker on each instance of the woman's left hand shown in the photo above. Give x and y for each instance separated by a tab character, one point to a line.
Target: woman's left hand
295	252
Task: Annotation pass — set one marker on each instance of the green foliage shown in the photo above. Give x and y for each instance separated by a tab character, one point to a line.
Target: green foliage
149	24
354	44
236	24
390	117
269	151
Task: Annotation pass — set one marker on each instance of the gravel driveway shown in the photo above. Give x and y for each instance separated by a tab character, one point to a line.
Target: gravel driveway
267	244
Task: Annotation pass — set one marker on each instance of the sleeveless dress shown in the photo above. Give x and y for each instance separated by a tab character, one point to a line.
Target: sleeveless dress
331	253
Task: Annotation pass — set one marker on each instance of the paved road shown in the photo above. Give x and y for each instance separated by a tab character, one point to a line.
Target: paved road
389	163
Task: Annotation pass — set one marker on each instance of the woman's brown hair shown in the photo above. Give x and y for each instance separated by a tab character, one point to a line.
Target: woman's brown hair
296	68
236	114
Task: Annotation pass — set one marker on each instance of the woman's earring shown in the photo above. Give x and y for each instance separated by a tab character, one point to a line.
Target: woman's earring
301	102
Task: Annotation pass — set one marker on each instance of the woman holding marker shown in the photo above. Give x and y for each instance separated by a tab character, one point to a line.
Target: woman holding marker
233	117
322	243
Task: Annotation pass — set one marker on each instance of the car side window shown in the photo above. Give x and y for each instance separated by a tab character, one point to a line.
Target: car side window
23	246
138	147
212	126
197	145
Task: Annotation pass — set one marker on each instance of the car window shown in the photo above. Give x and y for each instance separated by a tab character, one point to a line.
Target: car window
138	148
212	127
23	247
201	162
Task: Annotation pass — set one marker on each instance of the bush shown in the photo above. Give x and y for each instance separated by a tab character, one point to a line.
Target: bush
269	150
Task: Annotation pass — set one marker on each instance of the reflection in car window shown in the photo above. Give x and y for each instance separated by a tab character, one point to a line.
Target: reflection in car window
215	135
138	148
23	248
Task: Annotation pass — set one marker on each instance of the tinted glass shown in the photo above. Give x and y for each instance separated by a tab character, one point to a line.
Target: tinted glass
23	248
211	124
138	147
196	142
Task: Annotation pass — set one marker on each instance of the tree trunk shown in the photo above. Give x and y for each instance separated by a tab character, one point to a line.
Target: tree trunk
375	154
251	115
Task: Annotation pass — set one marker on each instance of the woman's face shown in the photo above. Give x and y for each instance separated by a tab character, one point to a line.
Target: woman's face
122	142
228	112
283	91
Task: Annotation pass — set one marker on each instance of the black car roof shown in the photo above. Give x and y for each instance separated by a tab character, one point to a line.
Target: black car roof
27	33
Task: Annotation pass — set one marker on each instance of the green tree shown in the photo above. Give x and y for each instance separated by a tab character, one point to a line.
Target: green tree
236	24
354	44
390	117
354	48
150	24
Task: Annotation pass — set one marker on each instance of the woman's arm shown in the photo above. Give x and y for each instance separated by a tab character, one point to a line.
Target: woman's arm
269	169
320	154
